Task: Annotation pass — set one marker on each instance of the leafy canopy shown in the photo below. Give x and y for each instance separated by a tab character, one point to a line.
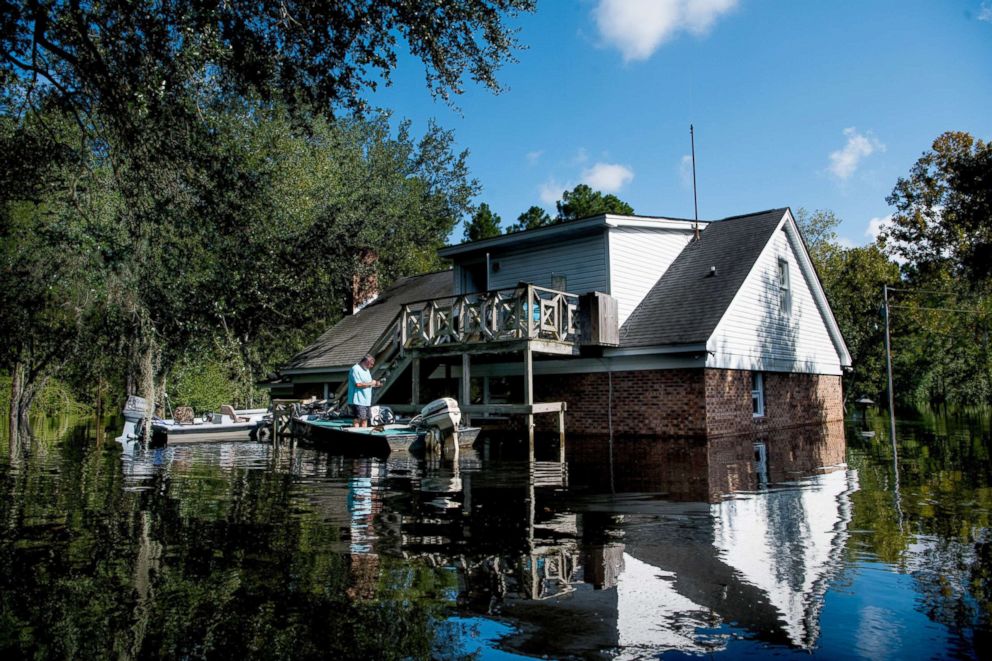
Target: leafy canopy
582	202
532	218
943	213
126	60
483	225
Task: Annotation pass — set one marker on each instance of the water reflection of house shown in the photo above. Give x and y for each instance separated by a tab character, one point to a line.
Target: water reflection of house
628	571
758	562
696	469
636	325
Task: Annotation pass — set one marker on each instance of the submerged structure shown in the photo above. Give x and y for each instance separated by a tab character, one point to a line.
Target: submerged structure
622	325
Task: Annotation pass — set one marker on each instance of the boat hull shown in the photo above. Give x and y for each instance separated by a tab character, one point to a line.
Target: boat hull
340	436
201	432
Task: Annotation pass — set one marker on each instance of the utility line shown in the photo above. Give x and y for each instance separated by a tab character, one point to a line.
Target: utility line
914	307
929	291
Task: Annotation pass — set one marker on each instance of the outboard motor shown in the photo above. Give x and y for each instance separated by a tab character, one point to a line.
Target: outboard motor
442	413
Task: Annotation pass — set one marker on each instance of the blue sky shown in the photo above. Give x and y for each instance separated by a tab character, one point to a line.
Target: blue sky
809	104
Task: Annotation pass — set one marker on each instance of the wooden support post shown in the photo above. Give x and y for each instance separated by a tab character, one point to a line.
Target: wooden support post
275	423
466	397
561	435
529	397
415	386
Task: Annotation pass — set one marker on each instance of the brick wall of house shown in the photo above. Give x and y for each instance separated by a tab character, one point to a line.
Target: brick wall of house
688	402
656	402
791	400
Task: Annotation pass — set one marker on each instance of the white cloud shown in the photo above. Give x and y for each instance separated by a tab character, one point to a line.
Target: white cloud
550	191
581	156
638	27
534	156
985	12
607	177
845	242
876	225
845	160
685	172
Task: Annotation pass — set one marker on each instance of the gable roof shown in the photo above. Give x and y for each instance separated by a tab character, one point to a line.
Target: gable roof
346	342
687	302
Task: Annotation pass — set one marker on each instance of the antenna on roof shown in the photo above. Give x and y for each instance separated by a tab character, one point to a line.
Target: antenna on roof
695	204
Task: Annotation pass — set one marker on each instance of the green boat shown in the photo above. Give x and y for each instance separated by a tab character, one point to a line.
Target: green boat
339	435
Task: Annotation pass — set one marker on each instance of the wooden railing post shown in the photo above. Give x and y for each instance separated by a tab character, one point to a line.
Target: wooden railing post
529	308
404	317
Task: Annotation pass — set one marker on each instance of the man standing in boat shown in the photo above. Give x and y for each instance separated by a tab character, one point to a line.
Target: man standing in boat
360	385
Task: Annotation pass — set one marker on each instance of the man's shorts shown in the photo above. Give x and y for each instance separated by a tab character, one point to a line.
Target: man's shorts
360	412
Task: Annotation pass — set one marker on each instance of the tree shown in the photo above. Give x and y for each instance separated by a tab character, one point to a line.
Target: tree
130	60
852	279
157	91
582	202
944	210
818	229
530	219
484	224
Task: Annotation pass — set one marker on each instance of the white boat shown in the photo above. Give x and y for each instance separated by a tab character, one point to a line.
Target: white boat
224	426
441	413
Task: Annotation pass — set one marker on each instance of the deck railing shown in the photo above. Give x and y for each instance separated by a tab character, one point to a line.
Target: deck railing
525	312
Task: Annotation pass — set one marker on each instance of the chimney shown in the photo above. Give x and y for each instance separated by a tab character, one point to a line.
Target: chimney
364	280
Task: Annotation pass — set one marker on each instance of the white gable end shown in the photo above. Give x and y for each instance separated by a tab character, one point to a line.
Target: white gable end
764	330
638	257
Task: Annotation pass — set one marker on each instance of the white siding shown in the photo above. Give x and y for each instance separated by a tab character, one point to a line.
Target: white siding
582	261
638	257
756	334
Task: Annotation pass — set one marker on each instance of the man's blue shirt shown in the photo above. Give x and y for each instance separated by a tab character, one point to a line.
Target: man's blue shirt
356	395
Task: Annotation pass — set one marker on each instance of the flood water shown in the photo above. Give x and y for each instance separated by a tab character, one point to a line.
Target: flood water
245	550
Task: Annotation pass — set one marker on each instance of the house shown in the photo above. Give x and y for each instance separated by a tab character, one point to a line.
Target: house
640	325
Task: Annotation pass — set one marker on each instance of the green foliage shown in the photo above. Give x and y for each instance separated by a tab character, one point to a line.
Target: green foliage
939	322
55	398
249	248
203	383
582	202
852	279
484	224
532	218
942	229
944	210
137	64
172	177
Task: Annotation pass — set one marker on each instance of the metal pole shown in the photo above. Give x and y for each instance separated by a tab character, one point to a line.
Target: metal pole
892	409
888	366
695	203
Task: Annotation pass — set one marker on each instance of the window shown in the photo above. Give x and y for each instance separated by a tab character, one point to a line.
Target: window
784	292
757	395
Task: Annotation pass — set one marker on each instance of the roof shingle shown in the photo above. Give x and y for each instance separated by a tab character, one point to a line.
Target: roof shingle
344	343
687	302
